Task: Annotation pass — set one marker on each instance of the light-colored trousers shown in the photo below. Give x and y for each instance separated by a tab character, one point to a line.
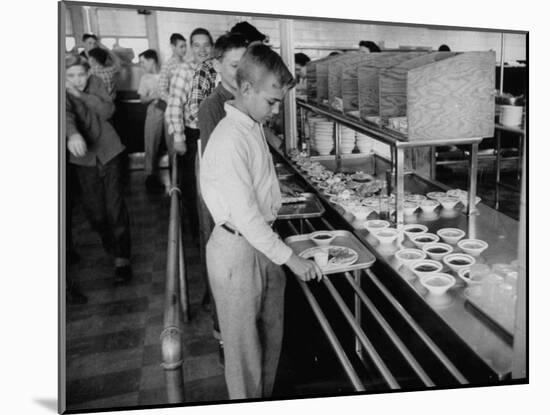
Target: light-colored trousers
249	293
152	134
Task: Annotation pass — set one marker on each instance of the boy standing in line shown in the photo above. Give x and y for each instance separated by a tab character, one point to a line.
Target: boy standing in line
244	254
182	126
154	119
104	70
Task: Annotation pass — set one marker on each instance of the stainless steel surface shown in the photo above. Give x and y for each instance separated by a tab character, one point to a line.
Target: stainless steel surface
286	29
325	325
311	208
382	134
360	295
360	334
399	187
472	182
300	243
337	142
497	229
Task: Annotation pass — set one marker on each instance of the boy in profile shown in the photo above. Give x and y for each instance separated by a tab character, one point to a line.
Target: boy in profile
244	254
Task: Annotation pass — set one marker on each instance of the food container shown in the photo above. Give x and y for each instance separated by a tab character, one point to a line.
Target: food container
415	198
458	261
425	267
449	202
424	238
386	235
437	283
428	206
473	247
407	256
413	229
409	207
451	235
322	238
437	250
376	224
436	195
511	115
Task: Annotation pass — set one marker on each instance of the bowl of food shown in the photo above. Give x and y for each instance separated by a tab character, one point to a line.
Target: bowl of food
428	205
458	261
449	202
473	247
464	200
413	229
425	266
386	235
322	238
437	250
424	238
409	207
407	256
435	195
451	235
415	198
437	283
376	224
361	177
361	212
466	276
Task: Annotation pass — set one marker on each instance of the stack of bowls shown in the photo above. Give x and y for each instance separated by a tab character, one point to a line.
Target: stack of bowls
364	143
347	140
323	137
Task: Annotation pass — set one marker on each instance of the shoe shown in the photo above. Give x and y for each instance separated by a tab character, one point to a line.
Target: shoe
75	297
154	185
123	274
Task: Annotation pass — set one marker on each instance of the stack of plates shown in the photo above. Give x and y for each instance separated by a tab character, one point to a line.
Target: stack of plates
323	136
347	140
364	143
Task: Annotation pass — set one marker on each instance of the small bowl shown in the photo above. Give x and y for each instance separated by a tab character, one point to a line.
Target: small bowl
413	229
361	212
464	200
436	195
451	235
464	275
458	261
415	198
425	267
424	238
449	202
407	256
386	235
376	224
429	205
322	238
473	247
457	193
437	250
437	283
409	207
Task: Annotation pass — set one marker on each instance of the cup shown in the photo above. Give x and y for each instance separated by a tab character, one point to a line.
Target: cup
321	258
511	115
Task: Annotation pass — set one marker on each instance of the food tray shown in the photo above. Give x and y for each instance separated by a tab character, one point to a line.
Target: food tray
282	171
300	243
504	328
310	208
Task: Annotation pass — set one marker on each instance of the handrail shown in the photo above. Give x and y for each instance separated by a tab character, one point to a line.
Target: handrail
176	301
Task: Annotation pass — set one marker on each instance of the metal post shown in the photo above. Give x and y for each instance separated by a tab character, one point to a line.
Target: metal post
501	62
182	275
287	53
472	186
357	313
337	137
399	187
498	167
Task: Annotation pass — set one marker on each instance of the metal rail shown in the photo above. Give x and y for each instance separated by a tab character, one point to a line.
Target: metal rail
176	301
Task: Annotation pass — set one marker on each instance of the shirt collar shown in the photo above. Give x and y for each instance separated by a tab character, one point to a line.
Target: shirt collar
238	115
225	94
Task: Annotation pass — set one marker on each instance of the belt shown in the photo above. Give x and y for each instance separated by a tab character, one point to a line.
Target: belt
234	231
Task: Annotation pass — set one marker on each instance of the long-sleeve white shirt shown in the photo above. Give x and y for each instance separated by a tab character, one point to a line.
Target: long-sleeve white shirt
239	184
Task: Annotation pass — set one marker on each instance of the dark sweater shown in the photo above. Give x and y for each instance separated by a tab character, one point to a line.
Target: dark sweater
211	113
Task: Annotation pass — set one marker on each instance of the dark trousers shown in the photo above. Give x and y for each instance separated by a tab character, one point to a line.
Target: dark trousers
102	197
188	180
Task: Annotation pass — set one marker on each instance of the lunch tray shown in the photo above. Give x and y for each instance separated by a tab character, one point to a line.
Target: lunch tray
505	328
300	243
310	208
282	171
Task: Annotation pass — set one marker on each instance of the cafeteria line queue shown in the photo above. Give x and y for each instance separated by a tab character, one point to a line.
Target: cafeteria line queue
221	98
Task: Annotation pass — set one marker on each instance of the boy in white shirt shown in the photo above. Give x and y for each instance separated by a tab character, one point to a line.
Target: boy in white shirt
149	94
240	188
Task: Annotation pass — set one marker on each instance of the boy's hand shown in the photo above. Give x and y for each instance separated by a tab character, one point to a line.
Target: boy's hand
179	144
72	90
287	189
76	145
305	269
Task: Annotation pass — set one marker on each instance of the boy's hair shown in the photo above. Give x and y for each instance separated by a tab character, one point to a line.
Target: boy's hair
248	31
301	59
228	42
87	36
150	54
100	55
262	57
175	37
201	31
370	45
76	60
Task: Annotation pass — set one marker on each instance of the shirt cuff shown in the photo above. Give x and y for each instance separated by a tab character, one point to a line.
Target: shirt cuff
282	254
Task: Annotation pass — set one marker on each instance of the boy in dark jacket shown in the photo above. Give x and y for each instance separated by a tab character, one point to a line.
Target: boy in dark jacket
95	150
